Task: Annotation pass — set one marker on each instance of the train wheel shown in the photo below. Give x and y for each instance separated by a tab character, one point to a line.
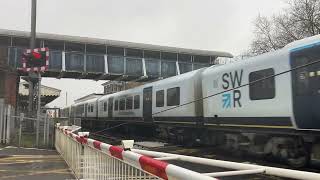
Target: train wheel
301	157
299	162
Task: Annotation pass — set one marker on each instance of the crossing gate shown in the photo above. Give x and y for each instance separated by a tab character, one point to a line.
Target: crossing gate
91	159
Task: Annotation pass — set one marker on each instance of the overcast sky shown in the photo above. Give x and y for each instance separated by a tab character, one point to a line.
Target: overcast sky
225	25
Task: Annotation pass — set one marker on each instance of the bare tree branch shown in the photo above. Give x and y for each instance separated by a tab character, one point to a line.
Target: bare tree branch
299	20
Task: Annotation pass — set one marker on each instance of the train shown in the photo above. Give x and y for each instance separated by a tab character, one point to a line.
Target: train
267	105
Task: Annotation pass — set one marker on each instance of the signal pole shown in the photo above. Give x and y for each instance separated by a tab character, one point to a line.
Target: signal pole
34	79
33	24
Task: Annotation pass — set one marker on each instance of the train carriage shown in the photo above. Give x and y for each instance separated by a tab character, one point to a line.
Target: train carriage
266	105
174	93
244	102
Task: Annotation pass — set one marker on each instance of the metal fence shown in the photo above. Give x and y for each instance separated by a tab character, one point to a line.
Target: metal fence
6	123
33	132
91	159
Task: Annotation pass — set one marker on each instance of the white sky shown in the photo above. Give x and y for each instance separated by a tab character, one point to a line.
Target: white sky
225	25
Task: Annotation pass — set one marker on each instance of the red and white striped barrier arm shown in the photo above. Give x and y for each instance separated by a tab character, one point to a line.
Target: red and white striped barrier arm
159	168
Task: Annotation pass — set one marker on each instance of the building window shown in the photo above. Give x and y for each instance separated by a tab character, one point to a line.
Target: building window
136	102
262	89
116	105
105	106
122	104
173	96
160	98
129	102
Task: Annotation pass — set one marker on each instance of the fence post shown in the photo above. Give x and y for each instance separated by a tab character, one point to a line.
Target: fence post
20	128
1	119
44	129
47	130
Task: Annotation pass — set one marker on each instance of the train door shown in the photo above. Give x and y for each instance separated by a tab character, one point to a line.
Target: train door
110	107
147	103
85	110
306	87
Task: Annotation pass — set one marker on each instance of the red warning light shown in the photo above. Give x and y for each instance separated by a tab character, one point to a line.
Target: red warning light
35	60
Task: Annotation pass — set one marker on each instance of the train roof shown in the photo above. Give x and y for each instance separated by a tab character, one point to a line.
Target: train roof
303	42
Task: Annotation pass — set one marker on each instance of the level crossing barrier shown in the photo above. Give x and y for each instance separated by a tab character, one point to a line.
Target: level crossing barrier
237	168
91	159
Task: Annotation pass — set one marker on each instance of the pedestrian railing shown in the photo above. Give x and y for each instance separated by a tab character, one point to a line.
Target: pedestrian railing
91	159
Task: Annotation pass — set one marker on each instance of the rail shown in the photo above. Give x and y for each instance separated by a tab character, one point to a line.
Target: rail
91	159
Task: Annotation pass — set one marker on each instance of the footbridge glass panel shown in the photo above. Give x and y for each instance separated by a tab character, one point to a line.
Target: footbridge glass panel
168	68
55	60
74	61
116	64
152	67
168	64
74	56
133	62
185	67
134	66
95	63
15	55
115	60
152	62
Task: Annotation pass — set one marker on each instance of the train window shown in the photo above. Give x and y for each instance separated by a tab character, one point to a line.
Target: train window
116	105
173	96
129	101
105	106
160	98
91	107
122	104
264	89
306	78
136	102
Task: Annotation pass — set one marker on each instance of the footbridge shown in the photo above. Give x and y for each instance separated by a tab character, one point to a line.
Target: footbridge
102	59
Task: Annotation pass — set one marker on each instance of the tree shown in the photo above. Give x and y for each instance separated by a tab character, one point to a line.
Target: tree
299	20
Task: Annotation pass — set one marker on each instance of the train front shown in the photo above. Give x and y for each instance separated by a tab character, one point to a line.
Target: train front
305	64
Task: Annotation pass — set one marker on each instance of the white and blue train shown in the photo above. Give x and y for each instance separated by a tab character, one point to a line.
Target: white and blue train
268	104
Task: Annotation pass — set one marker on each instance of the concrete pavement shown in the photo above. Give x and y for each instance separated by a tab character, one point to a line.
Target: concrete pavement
32	164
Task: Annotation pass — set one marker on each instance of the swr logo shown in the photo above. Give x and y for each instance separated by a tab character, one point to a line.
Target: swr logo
231	80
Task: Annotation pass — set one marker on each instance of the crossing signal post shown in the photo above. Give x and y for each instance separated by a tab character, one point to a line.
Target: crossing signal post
35	61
